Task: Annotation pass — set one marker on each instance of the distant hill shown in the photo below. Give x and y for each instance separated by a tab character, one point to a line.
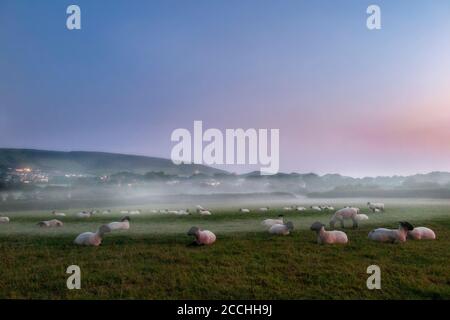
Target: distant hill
95	163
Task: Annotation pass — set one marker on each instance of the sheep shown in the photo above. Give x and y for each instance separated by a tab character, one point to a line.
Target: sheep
92	238
287	208
361	217
200	208
202	237
376	206
345	213
58	214
106	211
316	208
84	214
50	223
181	212
300	209
205	212
421	233
264	209
124	212
391	235
124	224
282	229
328	237
153	211
244	210
135	212
270	222
4	220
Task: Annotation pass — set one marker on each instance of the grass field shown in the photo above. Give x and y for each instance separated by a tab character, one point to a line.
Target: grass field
154	261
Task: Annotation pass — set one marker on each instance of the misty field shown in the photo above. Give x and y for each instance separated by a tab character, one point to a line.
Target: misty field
154	260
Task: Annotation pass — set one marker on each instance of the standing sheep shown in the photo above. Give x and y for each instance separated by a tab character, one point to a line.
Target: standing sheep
343	214
376	207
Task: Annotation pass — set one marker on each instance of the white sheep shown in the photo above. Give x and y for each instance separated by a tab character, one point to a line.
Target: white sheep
202	237
244	210
270	222
135	212
391	235
361	217
84	214
287	208
344	214
264	209
376	207
124	224
300	209
282	229
328	237
58	214
421	233
50	223
108	211
4	220
124	211
205	212
316	208
92	238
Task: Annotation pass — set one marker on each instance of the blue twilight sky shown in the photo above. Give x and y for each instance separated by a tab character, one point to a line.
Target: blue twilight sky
345	99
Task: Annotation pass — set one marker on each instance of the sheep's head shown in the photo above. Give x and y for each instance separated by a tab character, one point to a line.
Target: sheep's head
289	225
126	218
406	225
316	226
104	229
193	231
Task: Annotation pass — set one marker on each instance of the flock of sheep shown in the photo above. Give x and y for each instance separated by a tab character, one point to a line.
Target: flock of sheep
274	226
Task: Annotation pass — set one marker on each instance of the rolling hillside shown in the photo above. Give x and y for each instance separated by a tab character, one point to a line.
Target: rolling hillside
96	163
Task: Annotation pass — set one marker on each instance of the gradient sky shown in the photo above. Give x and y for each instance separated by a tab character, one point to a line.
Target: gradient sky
346	100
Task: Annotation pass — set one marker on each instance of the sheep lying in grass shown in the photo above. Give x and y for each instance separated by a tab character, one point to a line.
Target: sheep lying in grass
135	212
264	209
4	220
421	233
300	209
50	223
376	207
244	210
281	229
108	211
92	238
270	222
205	212
316	208
202	237
85	214
345	214
328	237
124	224
58	214
391	235
287	208
361	217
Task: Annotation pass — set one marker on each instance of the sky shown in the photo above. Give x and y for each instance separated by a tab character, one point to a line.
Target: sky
346	99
